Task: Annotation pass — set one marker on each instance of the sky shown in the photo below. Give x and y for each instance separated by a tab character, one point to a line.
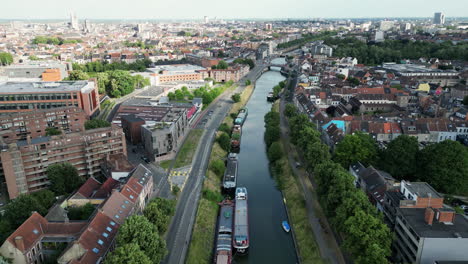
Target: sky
196	9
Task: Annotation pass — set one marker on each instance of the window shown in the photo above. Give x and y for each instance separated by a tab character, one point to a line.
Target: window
126	201
117	216
95	250
131	196
100	242
109	229
35	231
105	234
112	223
123	206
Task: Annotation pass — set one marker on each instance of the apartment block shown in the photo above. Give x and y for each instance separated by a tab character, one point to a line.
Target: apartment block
230	74
25	162
33	96
19	126
426	230
37	71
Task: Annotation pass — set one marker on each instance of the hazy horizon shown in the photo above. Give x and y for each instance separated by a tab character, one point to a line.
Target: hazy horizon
240	9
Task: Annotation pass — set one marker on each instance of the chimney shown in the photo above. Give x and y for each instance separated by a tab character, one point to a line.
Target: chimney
19	242
446	217
429	216
28	139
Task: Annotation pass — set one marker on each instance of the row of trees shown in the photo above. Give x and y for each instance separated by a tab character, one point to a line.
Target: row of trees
222	65
140	238
396	50
115	83
444	165
138	44
104	66
54	40
305	39
367	238
5	58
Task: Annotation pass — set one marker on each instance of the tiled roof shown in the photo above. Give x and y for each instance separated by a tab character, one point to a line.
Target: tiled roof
89	187
106	188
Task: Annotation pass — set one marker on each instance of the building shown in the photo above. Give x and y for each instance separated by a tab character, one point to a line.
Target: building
268	26
421	74
234	73
165	136
20	126
25	162
426	230
131	126
379	36
37	71
38	239
33	96
439	18
318	48
74	22
179	72
386	25
202	61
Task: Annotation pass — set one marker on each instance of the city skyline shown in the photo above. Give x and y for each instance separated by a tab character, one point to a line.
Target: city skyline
260	9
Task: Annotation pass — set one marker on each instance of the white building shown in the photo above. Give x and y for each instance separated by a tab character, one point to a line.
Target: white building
439	18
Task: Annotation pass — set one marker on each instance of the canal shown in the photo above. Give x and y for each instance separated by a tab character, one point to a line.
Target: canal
268	242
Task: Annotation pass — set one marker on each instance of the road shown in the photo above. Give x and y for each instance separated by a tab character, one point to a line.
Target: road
326	242
180	231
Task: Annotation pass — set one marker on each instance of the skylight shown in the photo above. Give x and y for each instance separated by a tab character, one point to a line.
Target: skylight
35	231
100	242
95	250
109	229
105	234
112	223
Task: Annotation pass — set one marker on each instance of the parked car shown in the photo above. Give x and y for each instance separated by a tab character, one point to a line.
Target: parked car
145	159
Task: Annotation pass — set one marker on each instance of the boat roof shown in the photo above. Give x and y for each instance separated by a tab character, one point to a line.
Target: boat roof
241	219
231	170
225	218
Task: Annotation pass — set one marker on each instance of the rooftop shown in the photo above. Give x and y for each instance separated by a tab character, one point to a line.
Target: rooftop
176	69
44	87
415	219
422	189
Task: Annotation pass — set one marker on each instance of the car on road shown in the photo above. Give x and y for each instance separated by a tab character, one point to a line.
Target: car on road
145	159
298	164
210	112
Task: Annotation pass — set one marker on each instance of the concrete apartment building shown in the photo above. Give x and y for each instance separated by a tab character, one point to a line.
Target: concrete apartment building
426	230
38	71
39	238
19	126
159	129
25	162
33	96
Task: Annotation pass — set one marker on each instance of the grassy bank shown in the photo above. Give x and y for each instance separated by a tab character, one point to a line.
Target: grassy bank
202	243
186	152
295	202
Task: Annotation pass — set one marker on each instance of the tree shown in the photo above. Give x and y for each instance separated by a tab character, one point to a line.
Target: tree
236	97
120	83
222	65
217	166
81	212
52	131
224	141
96	123
353	148
351	204
5	58
276	90
225	128
137	229
64	178
171	96
444	165
45	197
465	100
141	81
367	233
179	95
78	75
103	81
159	212
21	208
128	253
275	152
316	153
297	124
290	110
400	157
248	82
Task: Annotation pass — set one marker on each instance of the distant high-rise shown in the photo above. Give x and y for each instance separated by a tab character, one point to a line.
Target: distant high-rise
268	26
386	25
87	26
206	19
439	18
74	21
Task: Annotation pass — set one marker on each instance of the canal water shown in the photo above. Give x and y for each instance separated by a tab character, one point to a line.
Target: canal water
269	243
